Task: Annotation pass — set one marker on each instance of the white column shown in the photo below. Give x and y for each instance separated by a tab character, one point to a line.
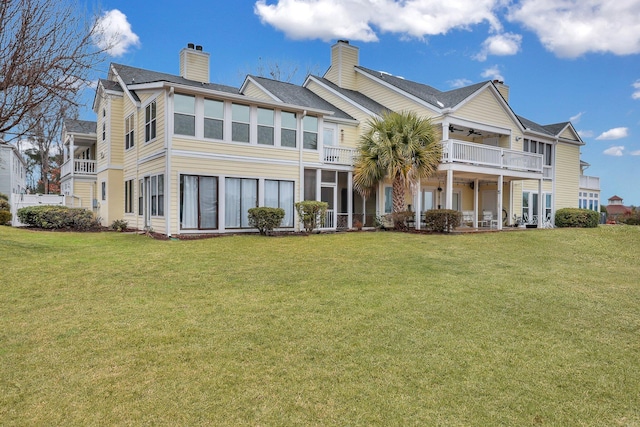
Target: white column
499	197
349	199
417	205
449	201
476	186
540	205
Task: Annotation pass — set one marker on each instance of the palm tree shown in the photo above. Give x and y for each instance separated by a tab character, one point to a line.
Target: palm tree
399	146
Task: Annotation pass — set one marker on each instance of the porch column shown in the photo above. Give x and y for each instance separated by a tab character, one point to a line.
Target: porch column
499	197
318	186
540	205
72	156
476	186
449	201
417	205
350	200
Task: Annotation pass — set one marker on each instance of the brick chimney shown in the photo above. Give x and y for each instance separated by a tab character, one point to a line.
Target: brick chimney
194	63
344	58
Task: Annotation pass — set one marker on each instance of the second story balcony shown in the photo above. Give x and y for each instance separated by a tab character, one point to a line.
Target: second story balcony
339	155
454	151
589	182
78	167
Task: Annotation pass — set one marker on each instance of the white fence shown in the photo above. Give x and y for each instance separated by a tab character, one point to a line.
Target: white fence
23	200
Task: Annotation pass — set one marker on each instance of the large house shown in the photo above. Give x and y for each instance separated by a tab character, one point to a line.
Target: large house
13	170
180	154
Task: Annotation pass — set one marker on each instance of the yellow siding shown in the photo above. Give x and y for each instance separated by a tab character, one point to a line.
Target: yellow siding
485	108
155	145
234	149
84	194
345	106
194	65
569	134
351	136
254	91
390	98
343	60
116	132
567	175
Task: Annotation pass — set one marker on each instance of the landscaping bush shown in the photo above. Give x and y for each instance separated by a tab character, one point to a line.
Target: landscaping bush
632	218
311	213
574	217
119	225
57	217
5	210
265	219
400	220
442	220
5	217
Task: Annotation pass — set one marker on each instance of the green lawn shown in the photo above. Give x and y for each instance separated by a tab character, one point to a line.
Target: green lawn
537	327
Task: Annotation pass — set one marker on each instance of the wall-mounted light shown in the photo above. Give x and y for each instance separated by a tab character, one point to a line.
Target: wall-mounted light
518	138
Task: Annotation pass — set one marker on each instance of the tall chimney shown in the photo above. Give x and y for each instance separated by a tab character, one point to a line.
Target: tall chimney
344	57
502	88
194	63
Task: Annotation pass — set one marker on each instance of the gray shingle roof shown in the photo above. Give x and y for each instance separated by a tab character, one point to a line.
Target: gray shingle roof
556	128
80	126
429	94
111	85
356	97
533	126
133	75
298	95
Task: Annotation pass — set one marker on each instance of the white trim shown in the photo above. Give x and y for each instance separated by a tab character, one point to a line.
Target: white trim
234	158
262	88
339	95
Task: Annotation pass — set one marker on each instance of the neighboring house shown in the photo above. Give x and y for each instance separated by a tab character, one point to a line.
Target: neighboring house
181	155
589	191
13	170
78	171
616	208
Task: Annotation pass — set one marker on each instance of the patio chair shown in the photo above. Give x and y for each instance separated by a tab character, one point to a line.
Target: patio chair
467	218
487	219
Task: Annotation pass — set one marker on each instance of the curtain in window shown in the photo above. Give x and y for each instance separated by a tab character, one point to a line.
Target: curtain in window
249	199
208	202
286	202
189	208
232	202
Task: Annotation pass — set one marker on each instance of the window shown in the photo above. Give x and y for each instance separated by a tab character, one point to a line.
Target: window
156	192
104	130
240	116
310	132
265	126
129	140
184	117
310	181
388	199
240	195
104	190
150	122
128	196
140	198
279	194
540	148
198	202
288	125
213	119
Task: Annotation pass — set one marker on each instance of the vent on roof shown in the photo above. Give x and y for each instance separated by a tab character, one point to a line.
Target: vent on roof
198	47
191	45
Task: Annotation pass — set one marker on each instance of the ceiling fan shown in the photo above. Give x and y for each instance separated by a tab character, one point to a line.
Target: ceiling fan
453	129
473	132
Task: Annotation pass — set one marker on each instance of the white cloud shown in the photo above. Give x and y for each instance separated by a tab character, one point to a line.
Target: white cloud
459	83
570	28
114	33
576	119
500	45
636	93
493	73
635	153
586	133
615	133
616	151
362	20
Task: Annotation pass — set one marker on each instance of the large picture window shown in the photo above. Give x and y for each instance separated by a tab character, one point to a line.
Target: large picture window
198	202
241	194
213	119
279	194
150	122
288	126
240	116
184	118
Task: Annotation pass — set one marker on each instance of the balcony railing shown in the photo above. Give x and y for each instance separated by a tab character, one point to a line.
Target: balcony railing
590	182
478	154
78	167
339	155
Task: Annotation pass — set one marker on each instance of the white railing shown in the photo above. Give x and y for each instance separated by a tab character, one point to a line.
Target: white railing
478	154
339	155
80	166
328	219
24	200
547	172
590	182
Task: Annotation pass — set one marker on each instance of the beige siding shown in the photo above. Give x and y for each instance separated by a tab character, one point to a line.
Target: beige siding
569	134
194	65
84	193
343	60
234	149
252	90
116	132
351	136
486	108
390	98
567	175
339	102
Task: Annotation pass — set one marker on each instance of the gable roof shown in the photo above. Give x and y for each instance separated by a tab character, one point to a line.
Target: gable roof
80	126
533	126
298	95
354	96
135	76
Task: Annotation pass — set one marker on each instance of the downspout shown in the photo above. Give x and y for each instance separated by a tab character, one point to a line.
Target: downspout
301	167
167	159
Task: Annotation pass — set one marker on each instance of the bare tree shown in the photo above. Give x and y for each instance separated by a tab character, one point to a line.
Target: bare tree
46	55
280	70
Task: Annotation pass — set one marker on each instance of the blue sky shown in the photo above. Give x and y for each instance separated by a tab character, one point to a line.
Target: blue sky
563	60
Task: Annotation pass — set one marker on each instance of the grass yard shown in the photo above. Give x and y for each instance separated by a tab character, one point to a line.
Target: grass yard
538	327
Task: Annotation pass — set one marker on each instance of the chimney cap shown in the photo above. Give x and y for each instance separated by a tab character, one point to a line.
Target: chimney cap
343	41
190	45
199	47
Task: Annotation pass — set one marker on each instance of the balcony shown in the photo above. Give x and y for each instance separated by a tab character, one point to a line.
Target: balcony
339	155
495	157
590	182
78	167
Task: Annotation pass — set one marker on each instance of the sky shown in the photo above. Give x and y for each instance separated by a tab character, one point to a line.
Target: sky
564	60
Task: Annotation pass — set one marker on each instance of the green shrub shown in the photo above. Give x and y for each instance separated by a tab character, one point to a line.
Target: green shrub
57	217
4	205
400	220
4	197
5	217
574	217
632	218
265	219
119	225
311	213
442	220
